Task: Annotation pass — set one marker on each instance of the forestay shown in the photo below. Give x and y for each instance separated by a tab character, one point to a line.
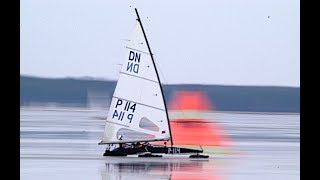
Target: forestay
137	111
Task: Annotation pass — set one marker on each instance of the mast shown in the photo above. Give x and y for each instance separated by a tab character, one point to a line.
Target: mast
155	67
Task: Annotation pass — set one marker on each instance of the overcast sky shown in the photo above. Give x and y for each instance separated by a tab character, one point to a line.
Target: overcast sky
229	42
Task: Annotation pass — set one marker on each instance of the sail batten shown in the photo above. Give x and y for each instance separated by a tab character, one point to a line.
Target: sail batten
123	125
140	103
133	141
137	50
139	77
137	129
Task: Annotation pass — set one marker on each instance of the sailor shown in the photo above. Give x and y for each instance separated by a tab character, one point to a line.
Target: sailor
137	145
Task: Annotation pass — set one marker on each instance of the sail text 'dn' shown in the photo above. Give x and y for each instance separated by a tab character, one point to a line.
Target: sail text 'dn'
122	110
133	66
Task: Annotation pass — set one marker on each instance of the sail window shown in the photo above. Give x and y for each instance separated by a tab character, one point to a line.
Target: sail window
132	135
145	123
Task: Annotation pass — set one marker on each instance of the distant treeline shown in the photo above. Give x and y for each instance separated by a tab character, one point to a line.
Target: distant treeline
75	92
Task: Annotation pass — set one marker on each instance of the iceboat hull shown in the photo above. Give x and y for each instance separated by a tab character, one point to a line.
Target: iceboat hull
123	151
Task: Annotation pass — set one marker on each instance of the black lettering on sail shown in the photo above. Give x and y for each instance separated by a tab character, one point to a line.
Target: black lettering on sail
134	56
131	67
133	107
119	102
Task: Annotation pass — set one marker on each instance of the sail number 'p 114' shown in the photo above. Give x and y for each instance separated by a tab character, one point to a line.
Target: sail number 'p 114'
121	109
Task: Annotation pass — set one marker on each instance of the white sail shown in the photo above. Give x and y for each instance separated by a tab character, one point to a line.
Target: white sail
137	111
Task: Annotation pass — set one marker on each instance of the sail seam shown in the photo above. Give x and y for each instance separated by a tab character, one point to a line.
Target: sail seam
142	140
119	124
138	77
141	130
140	103
137	50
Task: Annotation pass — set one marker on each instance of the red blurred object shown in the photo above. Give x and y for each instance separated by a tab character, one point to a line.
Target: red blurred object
195	130
198	132
190	100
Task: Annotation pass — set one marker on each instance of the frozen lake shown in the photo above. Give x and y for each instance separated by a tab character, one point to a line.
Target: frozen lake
63	144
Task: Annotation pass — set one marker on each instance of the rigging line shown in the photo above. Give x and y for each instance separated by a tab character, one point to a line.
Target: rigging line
166	82
178	104
145	37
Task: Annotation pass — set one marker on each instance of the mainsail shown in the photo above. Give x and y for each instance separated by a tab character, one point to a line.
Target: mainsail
137	112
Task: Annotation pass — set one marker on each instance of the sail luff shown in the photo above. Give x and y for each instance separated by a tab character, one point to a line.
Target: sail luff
144	34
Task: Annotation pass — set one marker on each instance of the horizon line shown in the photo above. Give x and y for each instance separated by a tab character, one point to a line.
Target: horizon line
106	79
